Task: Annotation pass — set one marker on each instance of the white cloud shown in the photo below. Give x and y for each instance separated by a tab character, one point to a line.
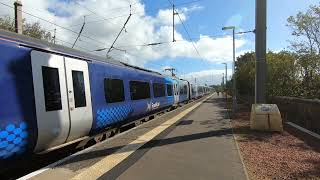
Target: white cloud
164	17
193	8
208	77
141	29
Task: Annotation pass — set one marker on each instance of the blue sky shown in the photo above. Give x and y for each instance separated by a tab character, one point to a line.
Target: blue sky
218	13
203	18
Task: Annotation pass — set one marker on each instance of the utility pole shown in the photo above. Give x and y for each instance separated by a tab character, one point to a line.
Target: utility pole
123	28
84	23
171	70
173	40
173	24
234	97
226	73
222	80
225	88
18	16
54	35
260	48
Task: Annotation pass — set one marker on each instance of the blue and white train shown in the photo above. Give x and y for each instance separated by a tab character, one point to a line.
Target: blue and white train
51	95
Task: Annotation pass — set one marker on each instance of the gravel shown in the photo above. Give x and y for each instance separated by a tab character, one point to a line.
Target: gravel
274	155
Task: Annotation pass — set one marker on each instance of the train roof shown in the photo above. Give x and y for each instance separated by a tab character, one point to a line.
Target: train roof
42	45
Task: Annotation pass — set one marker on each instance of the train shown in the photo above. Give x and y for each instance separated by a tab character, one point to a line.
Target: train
52	95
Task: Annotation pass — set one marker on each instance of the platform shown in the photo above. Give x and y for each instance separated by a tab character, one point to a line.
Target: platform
192	142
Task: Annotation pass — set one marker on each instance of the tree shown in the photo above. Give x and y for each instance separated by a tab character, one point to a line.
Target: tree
283	76
245	74
7	24
30	29
290	73
305	28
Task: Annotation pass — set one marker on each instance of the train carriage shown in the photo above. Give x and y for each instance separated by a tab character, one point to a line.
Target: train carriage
55	95
52	96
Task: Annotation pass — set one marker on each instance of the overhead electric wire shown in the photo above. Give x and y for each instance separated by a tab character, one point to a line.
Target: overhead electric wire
91	11
245	32
74	46
42	11
123	27
54	24
168	42
84	23
98	42
64	28
138	56
112	9
183	25
135	13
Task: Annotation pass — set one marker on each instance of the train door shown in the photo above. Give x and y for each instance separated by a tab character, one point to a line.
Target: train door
62	111
51	100
176	92
189	90
78	86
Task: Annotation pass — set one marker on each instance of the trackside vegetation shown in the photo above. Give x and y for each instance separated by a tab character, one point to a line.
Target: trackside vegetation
294	72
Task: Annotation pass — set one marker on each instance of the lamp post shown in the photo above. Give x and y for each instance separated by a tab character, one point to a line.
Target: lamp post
234	97
226	73
222	80
225	85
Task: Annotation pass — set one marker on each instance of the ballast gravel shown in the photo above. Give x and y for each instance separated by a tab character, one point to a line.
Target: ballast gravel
274	155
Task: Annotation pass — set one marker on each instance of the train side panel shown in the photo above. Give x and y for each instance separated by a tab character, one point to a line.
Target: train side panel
106	114
18	129
160	102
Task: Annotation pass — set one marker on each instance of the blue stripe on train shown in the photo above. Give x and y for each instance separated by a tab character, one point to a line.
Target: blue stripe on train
112	115
13	139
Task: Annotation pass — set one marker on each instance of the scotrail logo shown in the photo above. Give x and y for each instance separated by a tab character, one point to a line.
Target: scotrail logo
153	106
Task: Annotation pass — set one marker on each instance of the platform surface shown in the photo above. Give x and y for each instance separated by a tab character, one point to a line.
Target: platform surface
194	142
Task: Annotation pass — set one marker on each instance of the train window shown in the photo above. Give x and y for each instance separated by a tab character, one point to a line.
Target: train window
51	87
185	89
79	89
181	90
199	90
113	90
169	89
139	90
177	91
193	90
159	90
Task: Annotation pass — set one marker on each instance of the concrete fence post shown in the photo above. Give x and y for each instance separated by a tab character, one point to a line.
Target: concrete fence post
18	16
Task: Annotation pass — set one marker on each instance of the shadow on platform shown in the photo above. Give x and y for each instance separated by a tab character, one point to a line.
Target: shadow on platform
161	141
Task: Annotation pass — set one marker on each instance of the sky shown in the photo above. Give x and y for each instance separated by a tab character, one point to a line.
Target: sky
197	59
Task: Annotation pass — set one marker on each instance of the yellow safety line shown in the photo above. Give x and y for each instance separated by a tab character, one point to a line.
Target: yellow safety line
112	160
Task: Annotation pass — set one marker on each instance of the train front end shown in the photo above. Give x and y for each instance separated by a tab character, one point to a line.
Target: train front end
17	112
